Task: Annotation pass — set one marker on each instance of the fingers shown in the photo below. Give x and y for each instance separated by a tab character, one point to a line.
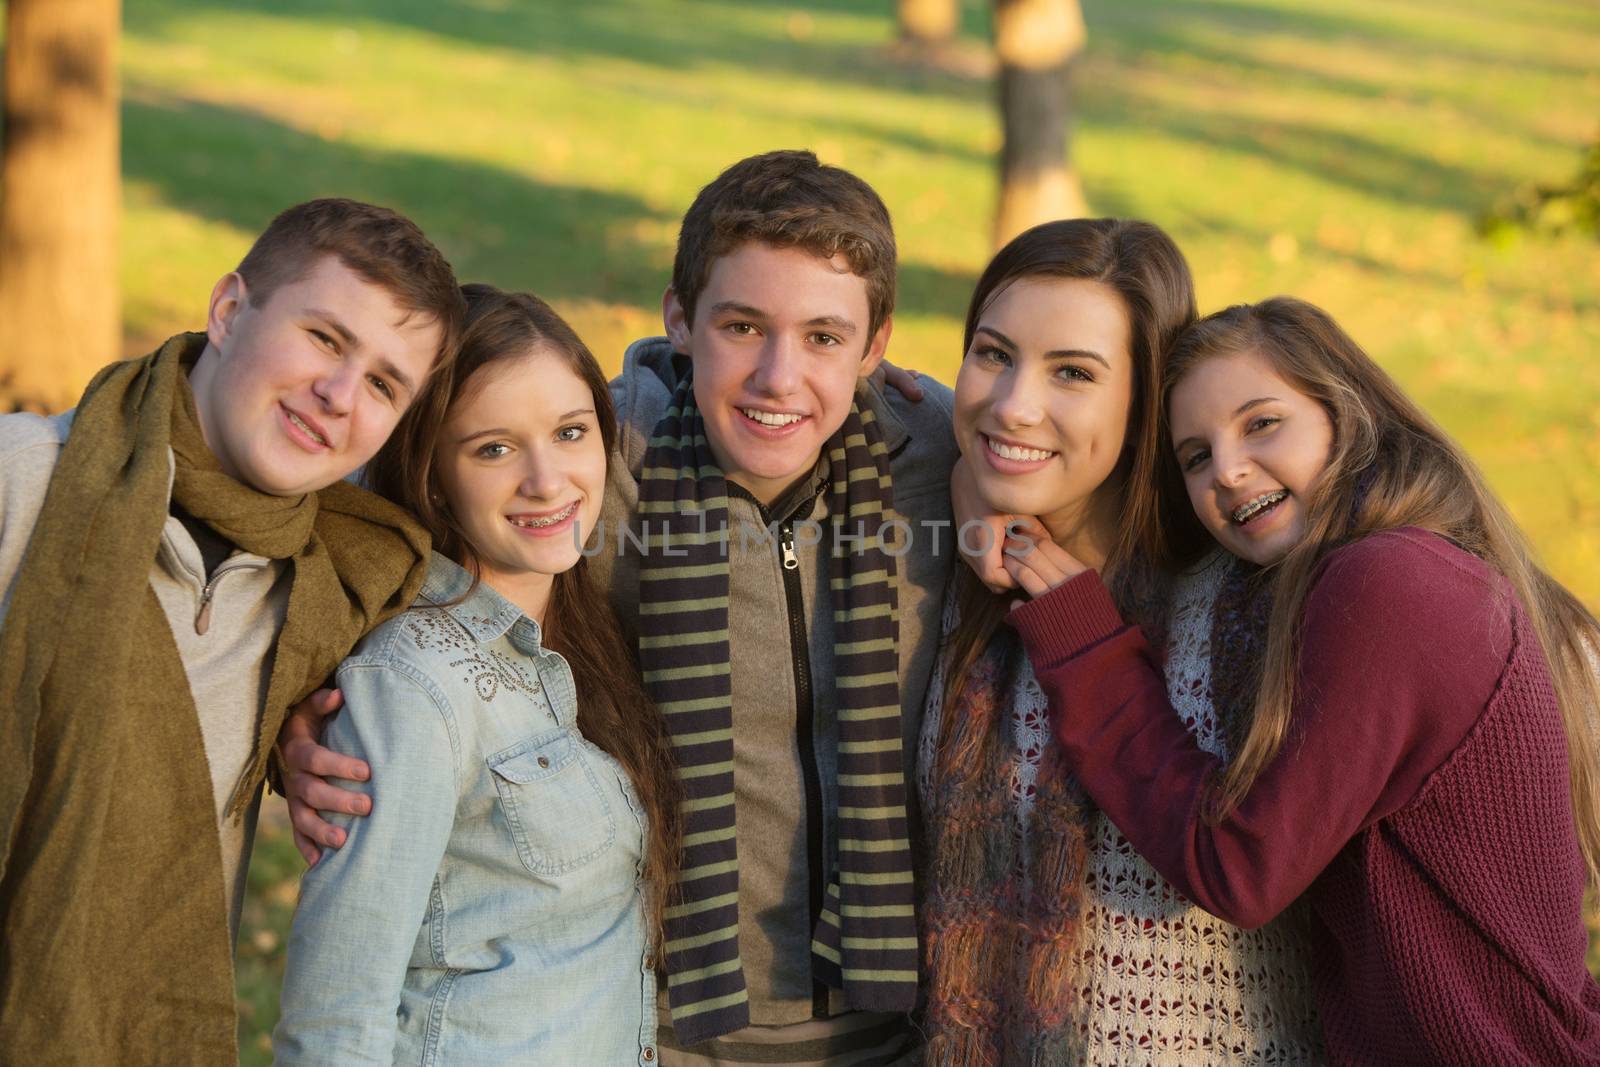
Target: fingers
311	830
903	381
306	757
308	851
1021	570
320	704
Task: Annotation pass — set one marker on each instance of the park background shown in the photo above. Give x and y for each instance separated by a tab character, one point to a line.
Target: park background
1386	159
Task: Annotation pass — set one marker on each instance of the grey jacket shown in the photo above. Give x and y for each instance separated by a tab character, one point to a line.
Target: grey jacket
785	727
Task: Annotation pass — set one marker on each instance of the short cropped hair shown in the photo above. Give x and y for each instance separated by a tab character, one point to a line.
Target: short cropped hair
382	246
790	200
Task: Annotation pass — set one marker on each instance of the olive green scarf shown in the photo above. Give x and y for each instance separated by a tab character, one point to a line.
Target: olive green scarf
114	940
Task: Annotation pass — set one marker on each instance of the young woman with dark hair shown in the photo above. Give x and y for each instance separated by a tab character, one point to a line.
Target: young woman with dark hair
1047	939
1417	726
502	902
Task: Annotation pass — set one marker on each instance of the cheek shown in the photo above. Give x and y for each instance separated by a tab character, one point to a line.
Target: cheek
1200	500
590	472
972	396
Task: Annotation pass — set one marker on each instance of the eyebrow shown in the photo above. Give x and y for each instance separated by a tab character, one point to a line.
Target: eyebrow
1054	353
1240	410
834	322
501	431
385	364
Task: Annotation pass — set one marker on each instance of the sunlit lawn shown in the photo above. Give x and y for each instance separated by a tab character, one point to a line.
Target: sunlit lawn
1340	151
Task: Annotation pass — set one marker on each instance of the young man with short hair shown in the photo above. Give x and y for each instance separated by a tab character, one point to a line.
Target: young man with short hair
180	563
794	699
787	645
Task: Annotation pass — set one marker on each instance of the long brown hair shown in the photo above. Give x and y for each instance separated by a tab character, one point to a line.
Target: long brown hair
1390	466
613	710
1144	267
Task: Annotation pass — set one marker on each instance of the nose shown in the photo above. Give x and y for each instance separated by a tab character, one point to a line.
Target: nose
542	478
1016	401
1230	465
336	389
777	371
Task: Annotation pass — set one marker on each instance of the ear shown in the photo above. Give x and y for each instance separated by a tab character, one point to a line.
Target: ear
227	297
675	320
877	347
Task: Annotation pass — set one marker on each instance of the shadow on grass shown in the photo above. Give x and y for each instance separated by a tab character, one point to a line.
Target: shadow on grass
678	37
239	167
236	166
683	37
1388	34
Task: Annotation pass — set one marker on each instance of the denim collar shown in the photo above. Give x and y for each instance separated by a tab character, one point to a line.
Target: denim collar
485	614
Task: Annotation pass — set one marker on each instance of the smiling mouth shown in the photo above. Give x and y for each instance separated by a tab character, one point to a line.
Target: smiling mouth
1012	452
770	418
1260	505
304	428
542	521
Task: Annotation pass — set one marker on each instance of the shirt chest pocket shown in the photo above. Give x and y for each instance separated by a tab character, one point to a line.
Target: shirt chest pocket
552	802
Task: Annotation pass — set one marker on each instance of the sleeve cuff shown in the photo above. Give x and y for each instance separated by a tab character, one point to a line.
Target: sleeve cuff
1068	619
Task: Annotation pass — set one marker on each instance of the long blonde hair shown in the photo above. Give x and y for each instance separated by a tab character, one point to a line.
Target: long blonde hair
1390	466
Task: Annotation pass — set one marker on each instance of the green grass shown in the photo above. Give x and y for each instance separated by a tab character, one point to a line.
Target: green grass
1340	151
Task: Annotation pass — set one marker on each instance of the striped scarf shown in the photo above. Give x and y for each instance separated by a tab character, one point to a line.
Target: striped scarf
865	941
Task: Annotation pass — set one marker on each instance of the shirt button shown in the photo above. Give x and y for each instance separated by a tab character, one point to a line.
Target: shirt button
649	961
649	1053
544	761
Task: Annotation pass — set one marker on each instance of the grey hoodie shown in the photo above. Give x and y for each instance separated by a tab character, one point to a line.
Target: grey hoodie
784	772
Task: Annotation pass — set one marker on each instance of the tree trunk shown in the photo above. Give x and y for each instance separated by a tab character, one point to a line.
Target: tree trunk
927	24
1036	42
60	199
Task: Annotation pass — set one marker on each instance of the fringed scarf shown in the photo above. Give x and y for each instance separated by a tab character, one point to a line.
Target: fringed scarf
115	939
865	942
1000	925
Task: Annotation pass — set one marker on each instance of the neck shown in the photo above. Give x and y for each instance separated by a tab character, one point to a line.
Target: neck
528	590
200	381
1086	530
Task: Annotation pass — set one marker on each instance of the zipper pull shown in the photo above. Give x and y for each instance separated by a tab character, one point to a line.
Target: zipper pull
786	541
202	619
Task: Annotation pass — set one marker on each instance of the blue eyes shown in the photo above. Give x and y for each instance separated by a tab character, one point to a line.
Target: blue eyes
999	357
498	449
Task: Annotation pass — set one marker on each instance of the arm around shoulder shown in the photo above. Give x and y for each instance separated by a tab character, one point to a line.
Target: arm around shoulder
1378	707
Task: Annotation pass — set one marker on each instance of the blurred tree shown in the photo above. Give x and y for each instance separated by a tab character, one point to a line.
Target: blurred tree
1036	42
60	197
1544	208
927	24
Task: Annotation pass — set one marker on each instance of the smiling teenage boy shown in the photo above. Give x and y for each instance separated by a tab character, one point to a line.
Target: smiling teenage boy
180	563
791	671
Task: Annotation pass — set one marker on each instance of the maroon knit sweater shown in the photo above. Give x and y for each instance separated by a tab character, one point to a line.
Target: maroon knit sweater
1421	800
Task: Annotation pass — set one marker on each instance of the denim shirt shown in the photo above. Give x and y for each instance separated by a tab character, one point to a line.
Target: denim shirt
490	909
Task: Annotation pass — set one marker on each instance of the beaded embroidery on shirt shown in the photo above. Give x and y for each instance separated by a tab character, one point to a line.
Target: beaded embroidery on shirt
486	670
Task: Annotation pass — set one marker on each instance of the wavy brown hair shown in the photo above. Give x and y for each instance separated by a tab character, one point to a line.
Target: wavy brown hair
613	710
1145	268
788	199
1390	466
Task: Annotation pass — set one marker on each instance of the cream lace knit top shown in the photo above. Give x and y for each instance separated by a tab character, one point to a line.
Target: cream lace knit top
1159	980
